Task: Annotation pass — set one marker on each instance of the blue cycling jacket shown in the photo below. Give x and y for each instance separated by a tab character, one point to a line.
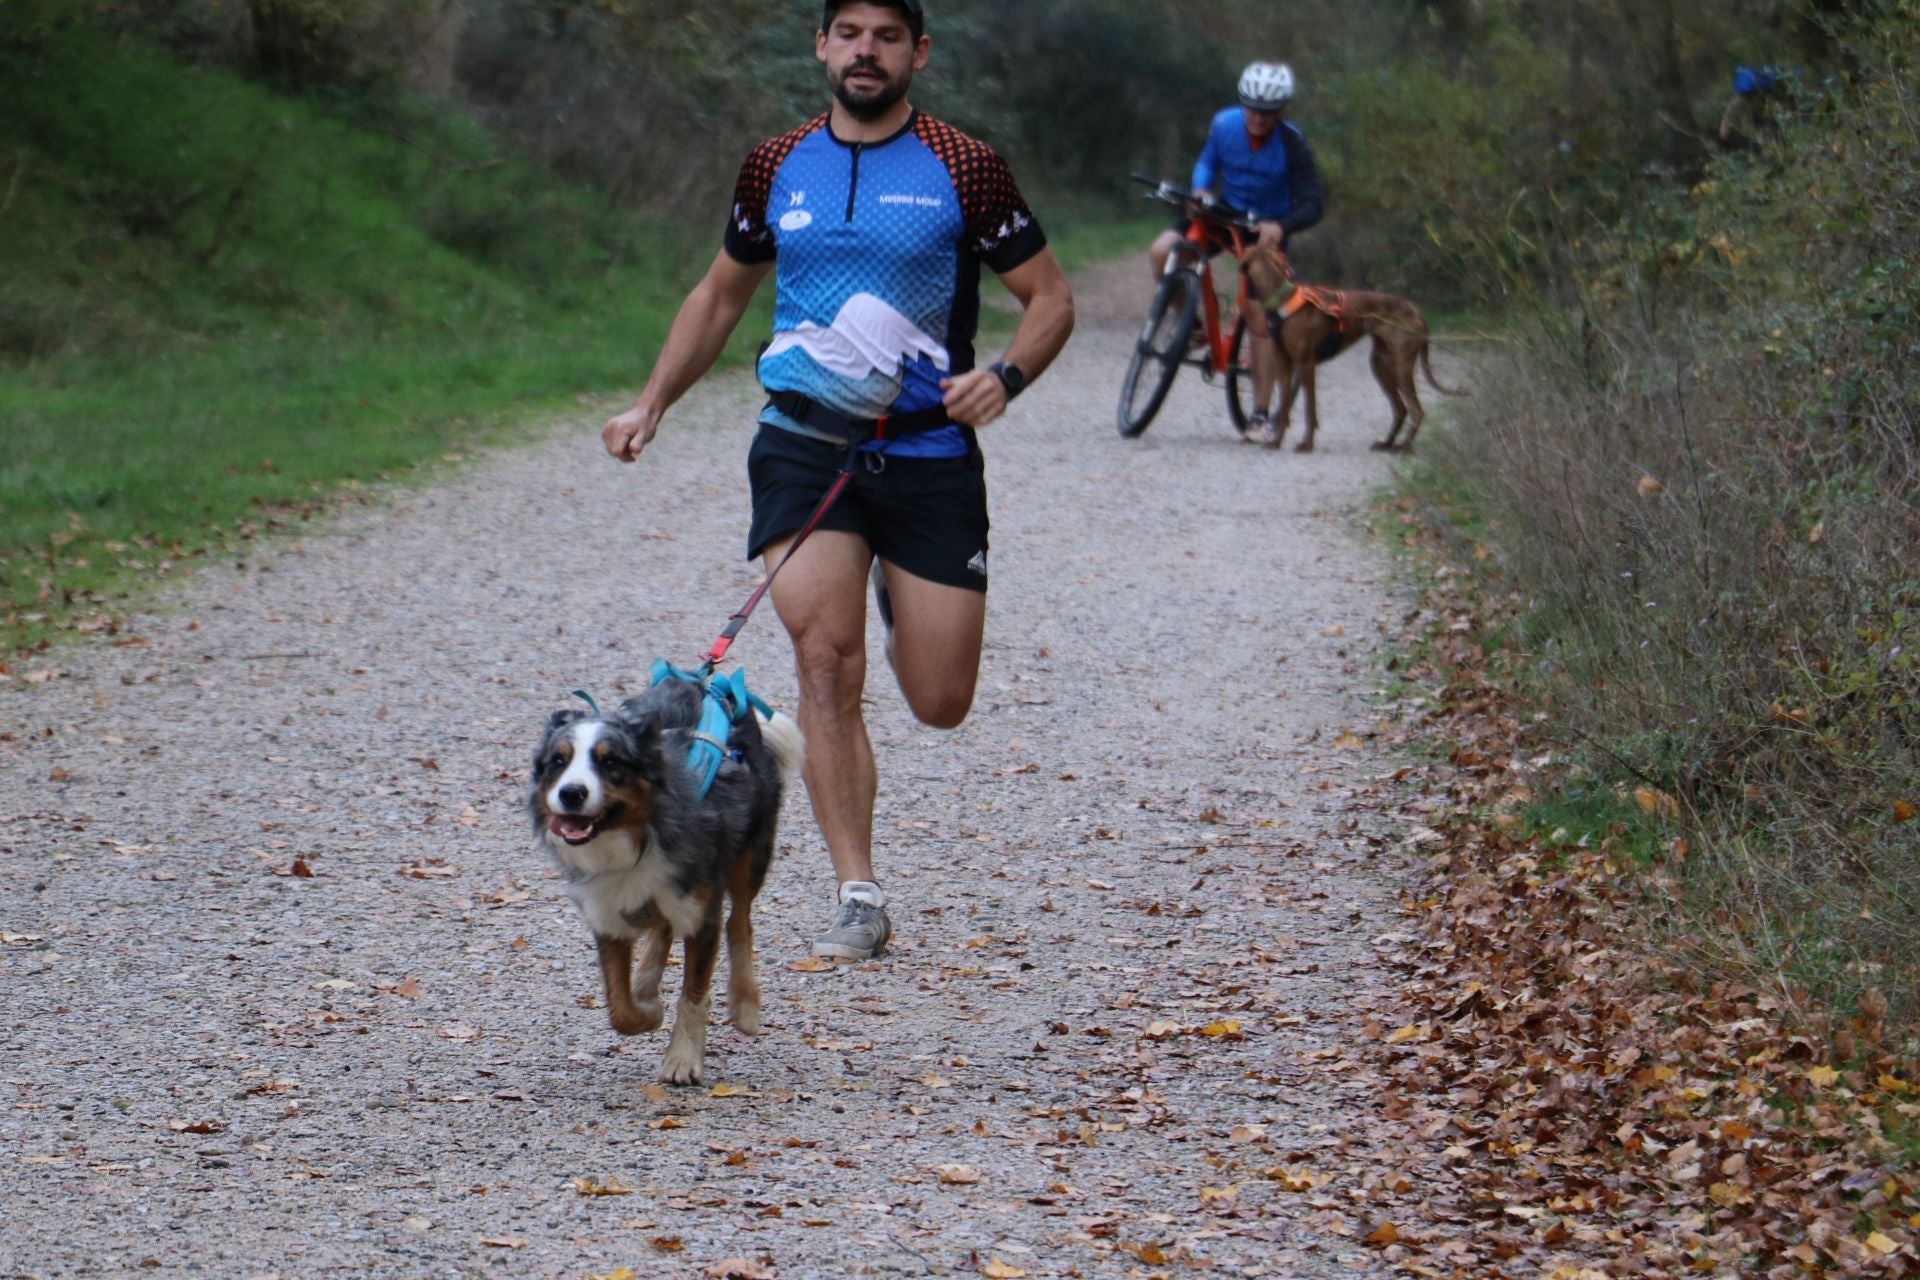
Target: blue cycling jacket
1279	181
877	247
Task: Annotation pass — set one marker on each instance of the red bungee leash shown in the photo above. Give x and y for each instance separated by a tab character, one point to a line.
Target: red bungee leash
738	621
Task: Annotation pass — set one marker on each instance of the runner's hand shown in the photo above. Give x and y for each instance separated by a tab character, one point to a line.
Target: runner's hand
626	435
975	398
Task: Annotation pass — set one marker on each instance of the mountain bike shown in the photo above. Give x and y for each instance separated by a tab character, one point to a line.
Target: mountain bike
1184	297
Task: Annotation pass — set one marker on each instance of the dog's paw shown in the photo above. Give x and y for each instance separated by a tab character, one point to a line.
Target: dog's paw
746	1017
1305	446
683	1063
647	1015
1383	446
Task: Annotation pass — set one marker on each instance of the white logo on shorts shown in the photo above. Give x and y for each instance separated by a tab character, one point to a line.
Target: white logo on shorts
979	563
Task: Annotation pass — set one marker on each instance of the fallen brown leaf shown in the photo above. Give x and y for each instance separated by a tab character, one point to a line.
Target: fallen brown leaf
738	1269
588	1187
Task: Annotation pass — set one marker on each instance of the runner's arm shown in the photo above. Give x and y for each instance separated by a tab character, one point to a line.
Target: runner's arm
1046	299
699	334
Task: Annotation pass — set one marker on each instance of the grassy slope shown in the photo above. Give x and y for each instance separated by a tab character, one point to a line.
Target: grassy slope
219	306
215	300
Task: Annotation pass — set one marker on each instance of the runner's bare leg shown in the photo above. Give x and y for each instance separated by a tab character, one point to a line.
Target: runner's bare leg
821	597
937	634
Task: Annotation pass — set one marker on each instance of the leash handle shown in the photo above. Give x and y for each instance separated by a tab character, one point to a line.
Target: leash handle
718	652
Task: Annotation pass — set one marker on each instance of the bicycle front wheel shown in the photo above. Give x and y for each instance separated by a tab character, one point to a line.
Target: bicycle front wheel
1158	352
1240	376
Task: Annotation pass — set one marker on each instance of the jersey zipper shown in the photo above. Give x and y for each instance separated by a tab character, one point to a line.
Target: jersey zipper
853	182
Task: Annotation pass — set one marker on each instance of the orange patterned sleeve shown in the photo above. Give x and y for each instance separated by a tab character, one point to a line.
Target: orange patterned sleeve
999	225
749	239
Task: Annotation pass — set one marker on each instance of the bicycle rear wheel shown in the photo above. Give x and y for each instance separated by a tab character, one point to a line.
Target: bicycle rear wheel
1157	354
1240	376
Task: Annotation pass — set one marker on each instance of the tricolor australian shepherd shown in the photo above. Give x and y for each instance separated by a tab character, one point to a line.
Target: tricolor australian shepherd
647	857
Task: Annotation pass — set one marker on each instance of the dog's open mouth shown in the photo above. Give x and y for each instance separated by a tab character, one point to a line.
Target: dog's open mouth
573	830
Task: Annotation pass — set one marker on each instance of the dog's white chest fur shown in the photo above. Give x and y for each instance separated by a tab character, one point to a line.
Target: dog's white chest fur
608	879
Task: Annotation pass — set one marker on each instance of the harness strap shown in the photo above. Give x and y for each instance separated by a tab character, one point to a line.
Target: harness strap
725	702
1332	301
810	413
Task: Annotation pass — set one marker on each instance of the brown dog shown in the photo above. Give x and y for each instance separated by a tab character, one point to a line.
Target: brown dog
1310	324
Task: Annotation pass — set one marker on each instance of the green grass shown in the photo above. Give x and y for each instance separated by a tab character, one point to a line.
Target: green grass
1587	813
221	307
217	303
1083	240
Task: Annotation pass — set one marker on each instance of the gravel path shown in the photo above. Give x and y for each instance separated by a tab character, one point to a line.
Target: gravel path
1147	834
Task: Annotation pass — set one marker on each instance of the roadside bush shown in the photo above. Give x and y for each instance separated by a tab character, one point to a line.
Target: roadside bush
1705	475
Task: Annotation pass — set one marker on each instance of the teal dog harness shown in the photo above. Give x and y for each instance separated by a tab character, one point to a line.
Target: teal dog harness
726	703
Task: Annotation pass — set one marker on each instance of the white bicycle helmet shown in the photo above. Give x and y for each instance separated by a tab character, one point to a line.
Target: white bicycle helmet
1266	86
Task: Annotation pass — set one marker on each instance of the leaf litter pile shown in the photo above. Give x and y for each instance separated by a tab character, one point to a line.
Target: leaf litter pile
1577	1103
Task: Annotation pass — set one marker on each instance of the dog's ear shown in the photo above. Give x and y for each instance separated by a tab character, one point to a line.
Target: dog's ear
646	731
564	716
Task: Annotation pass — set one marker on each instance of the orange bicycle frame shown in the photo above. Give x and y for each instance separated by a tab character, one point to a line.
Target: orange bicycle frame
1205	237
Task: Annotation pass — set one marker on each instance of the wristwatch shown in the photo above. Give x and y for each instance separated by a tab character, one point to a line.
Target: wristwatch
1010	377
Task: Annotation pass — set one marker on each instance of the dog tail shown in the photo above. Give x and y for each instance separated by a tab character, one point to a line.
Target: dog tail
782	734
1426	363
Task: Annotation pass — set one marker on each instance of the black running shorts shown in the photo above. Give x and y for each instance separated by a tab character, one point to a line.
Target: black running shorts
927	516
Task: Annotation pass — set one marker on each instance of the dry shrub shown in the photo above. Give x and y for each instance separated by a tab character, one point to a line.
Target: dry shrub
1705	473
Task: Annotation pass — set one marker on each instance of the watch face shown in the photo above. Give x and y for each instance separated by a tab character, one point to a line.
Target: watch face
1011	378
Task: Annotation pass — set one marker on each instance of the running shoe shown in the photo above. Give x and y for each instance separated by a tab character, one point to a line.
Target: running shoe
860	929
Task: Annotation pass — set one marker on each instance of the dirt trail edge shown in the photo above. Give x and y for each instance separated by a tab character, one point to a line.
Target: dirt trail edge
287	989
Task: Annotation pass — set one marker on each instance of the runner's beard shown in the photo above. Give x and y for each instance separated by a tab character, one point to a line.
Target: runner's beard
868	104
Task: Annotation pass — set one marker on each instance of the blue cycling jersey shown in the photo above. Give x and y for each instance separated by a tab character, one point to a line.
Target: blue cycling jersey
877	247
1258	182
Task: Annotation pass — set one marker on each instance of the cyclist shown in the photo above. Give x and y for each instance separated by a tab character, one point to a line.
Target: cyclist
1259	163
874	219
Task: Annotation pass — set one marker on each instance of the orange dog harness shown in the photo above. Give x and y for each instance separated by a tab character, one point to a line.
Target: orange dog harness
1332	301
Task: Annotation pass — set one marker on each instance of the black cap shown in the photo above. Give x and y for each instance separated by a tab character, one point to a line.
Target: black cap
916	16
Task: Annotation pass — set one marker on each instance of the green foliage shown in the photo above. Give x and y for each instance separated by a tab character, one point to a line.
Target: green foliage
220	304
217	301
1706	472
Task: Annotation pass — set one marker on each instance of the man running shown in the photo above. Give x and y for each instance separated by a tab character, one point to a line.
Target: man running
1260	164
874	219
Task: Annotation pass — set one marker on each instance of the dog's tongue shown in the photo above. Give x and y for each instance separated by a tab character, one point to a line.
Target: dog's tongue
572	830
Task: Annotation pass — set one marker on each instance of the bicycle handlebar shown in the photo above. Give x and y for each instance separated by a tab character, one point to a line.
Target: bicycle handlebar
1207	209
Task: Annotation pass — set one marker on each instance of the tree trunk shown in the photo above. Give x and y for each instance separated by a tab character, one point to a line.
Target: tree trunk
278	41
434	67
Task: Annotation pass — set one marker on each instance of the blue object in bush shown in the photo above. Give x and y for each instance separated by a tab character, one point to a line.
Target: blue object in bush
1748	81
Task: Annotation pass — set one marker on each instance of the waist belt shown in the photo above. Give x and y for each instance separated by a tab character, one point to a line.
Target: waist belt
813	415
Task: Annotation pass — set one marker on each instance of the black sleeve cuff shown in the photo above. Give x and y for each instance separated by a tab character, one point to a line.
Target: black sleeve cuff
748	250
1016	249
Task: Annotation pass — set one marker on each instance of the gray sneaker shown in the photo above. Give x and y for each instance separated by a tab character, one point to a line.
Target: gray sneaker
860	931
